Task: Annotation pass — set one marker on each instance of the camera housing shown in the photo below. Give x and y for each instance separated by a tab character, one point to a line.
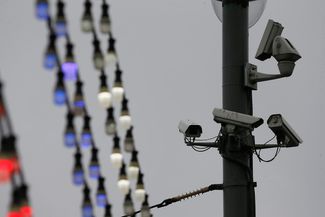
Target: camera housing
286	55
189	128
285	135
223	116
272	30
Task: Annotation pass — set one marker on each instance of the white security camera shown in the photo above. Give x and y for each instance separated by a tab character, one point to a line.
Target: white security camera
286	55
190	129
237	119
286	136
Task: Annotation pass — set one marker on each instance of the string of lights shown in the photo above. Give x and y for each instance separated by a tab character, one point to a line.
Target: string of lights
117	96
11	166
68	70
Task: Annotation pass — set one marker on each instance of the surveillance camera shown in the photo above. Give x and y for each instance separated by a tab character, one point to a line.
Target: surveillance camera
286	136
190	129
238	119
286	55
272	30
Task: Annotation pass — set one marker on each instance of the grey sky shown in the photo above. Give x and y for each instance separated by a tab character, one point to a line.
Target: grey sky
170	54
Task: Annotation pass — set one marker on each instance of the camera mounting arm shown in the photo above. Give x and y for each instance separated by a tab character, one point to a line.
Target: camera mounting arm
252	76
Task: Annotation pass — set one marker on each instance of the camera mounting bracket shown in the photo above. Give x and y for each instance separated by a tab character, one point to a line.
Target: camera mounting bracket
252	76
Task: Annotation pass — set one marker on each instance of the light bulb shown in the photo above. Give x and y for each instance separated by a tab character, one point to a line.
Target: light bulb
140	195
128	205
124	185
6	169
70	133
78	102
110	127
60	23
116	160
42	8
94	171
129	141
105	23
78	172
86	139
60	96
78	176
70	138
14	213
145	209
70	69
125	121
26	211
133	169
98	60
49	60
86	23
105	99
111	58
87	18
123	182
101	198
87	210
256	8
133	172
117	94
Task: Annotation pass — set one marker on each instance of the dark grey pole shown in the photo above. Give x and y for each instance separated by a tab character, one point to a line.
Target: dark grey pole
239	199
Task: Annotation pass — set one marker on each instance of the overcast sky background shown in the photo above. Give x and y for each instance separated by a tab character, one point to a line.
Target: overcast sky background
170	53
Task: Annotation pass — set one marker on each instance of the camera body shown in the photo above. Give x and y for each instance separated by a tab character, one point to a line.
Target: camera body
286	136
189	128
237	119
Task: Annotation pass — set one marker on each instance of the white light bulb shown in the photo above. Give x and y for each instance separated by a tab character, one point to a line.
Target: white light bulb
116	160
125	121
105	99
117	93
140	195
111	58
145	212
105	26
99	62
124	185
133	172
86	25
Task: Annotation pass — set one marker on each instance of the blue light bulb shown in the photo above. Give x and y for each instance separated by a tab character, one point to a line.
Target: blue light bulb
59	96
70	70
70	139
79	103
86	139
101	199
42	9
94	171
78	177
87	210
49	60
60	28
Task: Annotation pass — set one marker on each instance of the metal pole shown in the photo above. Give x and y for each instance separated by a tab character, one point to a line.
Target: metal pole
239	199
